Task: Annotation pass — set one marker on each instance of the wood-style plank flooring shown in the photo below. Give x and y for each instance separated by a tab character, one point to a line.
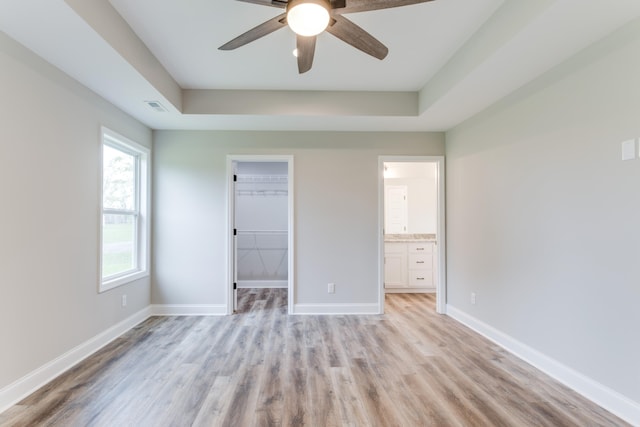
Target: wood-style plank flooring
410	367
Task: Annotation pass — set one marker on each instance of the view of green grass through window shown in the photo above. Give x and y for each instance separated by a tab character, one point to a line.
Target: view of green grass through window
120	214
118	241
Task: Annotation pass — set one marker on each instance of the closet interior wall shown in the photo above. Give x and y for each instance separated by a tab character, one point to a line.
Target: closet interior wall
261	193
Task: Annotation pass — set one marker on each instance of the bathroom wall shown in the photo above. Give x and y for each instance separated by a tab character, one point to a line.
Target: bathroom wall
422	193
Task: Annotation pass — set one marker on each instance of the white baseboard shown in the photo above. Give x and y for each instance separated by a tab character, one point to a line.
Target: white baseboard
18	390
410	291
336	309
607	398
188	310
262	284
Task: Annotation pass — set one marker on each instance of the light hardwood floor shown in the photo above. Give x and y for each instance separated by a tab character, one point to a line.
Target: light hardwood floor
410	367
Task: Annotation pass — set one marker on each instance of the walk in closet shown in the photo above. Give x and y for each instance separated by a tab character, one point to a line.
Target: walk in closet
261	215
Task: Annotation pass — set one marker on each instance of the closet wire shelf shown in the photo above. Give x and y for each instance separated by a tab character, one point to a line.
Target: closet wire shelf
262	254
252	185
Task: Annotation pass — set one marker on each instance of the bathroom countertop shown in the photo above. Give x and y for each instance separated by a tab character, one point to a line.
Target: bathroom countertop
409	238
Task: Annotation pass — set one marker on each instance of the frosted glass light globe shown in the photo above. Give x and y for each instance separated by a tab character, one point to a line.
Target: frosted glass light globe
308	19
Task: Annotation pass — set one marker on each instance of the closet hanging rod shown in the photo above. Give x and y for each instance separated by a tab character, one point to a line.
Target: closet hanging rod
262	231
262	192
263	179
260	182
261	249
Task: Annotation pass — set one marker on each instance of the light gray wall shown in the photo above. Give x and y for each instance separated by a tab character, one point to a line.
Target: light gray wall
543	217
336	209
49	182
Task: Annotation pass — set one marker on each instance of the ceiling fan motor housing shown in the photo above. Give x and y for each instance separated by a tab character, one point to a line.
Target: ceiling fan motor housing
293	3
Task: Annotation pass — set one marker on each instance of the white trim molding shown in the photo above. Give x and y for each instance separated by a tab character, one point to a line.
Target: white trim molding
189	310
602	395
263	284
23	387
410	291
319	309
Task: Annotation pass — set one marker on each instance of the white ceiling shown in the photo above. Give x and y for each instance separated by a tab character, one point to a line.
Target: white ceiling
448	59
186	39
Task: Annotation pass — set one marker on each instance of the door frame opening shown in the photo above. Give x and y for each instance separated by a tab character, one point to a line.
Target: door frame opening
441	278
231	250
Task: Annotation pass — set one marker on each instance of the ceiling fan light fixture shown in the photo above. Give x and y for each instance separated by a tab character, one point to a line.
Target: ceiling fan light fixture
308	17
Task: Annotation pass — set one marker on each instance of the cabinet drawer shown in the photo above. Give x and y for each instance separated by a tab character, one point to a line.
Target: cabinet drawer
395	248
422	247
421	278
420	261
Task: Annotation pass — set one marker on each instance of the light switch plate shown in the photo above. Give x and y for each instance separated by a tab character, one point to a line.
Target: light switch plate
629	149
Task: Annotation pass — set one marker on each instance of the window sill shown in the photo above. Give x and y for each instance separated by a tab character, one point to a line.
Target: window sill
120	281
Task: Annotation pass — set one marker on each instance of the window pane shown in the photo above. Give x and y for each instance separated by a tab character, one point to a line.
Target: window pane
118	179
118	244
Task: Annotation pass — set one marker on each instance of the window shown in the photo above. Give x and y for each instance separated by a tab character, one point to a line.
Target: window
125	222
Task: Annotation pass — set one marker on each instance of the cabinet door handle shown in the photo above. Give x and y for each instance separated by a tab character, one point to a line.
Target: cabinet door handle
419	278
419	262
419	249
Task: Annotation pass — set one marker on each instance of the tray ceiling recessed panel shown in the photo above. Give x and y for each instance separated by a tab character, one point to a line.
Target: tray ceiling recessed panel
185	37
448	59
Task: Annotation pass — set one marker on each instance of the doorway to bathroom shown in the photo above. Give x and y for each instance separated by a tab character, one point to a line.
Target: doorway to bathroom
411	217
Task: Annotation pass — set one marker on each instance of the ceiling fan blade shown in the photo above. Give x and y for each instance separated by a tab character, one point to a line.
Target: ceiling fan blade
272	3
352	34
306	50
261	30
366	5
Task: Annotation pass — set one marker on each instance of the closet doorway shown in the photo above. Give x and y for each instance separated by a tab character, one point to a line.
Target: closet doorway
260	225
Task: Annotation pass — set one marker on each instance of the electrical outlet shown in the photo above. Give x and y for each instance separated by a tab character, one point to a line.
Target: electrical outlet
331	288
124	300
629	149
473	298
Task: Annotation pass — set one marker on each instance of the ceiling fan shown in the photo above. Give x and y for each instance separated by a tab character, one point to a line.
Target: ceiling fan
308	18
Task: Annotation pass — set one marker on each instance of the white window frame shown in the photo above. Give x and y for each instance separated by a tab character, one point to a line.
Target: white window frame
143	185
